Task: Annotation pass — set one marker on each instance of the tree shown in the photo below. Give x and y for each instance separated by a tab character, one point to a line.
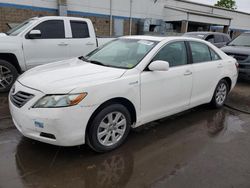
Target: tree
230	4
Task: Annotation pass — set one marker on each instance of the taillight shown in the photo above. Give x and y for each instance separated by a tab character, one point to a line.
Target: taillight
237	65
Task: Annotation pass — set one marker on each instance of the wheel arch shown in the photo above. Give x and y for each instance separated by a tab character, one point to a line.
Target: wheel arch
11	58
119	100
229	82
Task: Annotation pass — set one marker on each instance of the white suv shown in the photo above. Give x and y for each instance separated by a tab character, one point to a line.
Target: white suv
131	81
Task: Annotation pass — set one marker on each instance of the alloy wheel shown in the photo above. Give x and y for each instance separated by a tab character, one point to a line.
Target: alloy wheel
221	94
6	77
111	129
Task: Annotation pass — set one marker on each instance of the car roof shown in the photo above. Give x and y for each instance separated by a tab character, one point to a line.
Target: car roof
206	33
156	38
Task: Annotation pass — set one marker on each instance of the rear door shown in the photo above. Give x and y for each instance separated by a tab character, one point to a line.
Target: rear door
207	69
50	47
82	39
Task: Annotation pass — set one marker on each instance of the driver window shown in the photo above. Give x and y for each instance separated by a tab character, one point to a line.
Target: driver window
175	54
51	29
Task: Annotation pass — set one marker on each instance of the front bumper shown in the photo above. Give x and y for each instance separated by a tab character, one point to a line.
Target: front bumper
57	126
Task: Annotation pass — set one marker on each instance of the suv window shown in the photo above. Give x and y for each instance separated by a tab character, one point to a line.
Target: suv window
218	38
200	52
51	29
210	38
175	54
226	39
79	29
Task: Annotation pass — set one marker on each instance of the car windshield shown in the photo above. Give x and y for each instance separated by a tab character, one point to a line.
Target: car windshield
242	40
21	27
121	53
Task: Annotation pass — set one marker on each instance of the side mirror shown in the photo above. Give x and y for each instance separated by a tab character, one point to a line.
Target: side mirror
159	66
34	34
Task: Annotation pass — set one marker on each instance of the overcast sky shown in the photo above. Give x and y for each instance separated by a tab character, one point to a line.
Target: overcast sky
243	5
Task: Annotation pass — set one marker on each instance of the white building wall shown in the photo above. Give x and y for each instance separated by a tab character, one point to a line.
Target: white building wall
140	9
239	21
37	3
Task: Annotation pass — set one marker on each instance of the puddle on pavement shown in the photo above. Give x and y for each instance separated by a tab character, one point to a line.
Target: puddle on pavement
3	100
4	108
224	126
155	153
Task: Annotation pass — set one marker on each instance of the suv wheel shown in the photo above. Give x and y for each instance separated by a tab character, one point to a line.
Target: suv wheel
220	94
8	75
109	128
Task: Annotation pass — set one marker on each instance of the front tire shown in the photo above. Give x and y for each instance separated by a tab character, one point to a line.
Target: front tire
109	128
220	94
8	75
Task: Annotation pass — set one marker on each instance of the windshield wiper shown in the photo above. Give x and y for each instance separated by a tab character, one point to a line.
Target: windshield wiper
97	62
83	58
91	61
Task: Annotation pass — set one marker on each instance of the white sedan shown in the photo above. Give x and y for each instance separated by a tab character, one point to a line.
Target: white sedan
129	82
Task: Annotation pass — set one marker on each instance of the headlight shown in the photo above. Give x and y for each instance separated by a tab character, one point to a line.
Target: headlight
57	101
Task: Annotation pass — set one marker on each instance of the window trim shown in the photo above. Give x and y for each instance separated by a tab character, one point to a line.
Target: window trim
33	28
79	21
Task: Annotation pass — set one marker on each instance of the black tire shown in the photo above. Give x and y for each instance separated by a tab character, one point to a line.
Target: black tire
92	138
215	102
7	79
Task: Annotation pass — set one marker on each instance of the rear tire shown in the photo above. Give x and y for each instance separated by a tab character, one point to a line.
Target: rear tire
8	75
109	128
220	94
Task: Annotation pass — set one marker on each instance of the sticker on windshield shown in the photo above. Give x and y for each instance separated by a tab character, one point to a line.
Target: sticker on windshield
130	65
146	42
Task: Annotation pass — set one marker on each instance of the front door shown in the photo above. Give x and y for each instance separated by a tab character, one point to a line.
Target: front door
167	92
50	47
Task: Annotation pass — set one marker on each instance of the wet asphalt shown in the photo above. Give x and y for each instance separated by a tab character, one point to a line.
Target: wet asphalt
202	147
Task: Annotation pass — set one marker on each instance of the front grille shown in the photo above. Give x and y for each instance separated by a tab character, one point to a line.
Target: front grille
238	57
20	98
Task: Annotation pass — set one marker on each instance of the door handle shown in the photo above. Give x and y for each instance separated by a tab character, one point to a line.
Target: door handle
62	44
90	43
187	73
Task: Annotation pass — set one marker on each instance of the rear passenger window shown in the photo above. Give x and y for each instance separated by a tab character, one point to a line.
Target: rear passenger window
51	29
214	55
200	52
175	54
79	29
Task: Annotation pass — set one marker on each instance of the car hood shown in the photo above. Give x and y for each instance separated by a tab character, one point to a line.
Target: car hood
236	50
64	76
